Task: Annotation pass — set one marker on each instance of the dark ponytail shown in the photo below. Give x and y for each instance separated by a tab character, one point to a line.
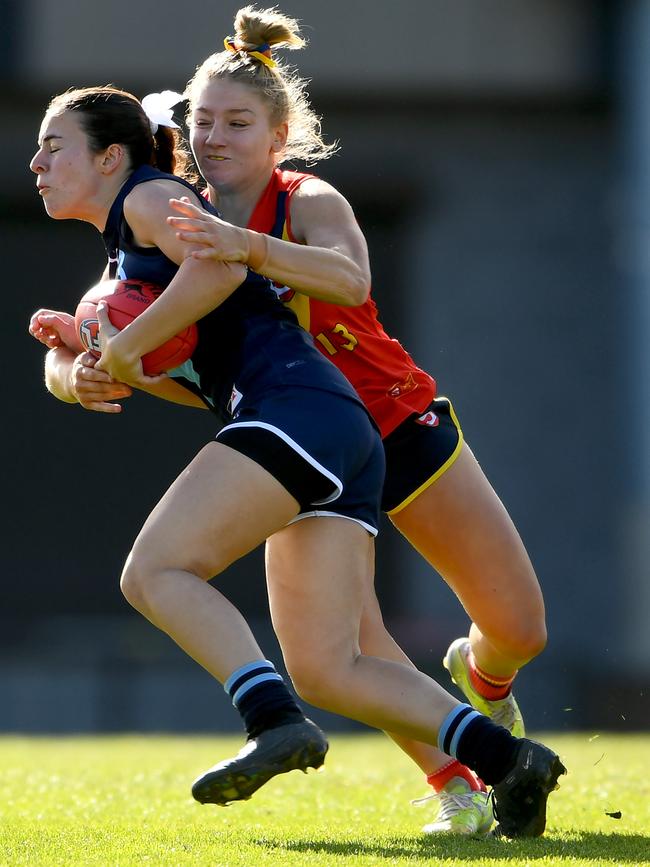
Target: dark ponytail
170	154
112	116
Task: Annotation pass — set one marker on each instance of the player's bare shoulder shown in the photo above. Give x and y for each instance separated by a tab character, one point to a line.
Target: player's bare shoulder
316	201
316	190
148	204
154	194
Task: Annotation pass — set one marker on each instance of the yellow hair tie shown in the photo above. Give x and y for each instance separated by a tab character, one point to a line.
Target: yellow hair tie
261	52
267	61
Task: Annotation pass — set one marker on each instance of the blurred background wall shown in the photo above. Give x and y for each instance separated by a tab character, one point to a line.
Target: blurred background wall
496	154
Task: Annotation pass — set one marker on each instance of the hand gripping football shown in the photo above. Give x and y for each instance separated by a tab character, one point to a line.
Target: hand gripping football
126	299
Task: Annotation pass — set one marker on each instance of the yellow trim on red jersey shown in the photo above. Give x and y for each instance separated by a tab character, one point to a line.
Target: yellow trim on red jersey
299	303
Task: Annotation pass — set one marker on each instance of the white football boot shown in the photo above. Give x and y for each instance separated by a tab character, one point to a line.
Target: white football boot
504	712
461	811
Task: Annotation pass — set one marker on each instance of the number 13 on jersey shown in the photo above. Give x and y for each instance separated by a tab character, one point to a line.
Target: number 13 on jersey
349	341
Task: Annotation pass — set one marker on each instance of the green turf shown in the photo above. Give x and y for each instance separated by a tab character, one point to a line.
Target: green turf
125	801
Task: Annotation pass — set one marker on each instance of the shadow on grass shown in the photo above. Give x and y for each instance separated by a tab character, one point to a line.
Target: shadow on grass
602	848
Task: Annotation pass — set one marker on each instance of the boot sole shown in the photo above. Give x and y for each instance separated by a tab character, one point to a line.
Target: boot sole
238	784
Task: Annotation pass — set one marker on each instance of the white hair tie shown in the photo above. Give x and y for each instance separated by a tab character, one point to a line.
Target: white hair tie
158	108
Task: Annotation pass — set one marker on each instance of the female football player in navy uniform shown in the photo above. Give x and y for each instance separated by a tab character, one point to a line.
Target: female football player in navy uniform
248	113
297	461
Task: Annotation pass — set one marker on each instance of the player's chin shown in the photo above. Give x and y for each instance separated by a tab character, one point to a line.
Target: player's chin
56	213
57	209
217	173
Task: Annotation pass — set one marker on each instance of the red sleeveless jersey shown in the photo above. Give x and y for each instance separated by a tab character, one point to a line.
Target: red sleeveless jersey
384	375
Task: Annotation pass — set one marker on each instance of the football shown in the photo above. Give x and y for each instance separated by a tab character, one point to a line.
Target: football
126	299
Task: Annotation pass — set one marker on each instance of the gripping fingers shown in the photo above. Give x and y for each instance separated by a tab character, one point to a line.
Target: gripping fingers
195	238
46	337
205	253
94	389
101	406
185	207
44	334
99	401
185	225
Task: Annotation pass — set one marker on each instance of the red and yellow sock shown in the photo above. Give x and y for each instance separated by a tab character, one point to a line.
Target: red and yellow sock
453	768
490	686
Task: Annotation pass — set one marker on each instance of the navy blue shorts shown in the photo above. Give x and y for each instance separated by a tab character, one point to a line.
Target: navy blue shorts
322	447
418	452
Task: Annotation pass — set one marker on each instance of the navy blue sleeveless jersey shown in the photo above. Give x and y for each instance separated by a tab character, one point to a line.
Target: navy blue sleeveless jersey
250	343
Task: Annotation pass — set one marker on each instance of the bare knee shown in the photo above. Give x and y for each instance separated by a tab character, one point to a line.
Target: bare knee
310	684
134	582
141	576
318	683
521	641
146	570
534	641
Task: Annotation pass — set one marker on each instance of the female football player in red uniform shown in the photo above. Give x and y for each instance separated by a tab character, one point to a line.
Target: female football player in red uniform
248	113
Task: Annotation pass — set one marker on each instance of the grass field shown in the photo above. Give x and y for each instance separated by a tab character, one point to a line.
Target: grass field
125	801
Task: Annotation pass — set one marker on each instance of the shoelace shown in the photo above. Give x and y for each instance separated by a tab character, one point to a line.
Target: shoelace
504	715
450	802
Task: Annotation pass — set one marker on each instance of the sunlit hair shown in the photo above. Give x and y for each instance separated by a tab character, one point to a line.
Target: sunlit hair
279	85
112	116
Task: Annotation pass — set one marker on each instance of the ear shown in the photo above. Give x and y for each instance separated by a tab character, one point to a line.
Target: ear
280	135
112	159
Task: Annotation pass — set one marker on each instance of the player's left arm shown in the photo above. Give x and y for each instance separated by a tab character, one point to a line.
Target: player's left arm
196	289
55	328
330	261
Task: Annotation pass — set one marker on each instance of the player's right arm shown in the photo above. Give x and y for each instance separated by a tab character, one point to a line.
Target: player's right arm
74	378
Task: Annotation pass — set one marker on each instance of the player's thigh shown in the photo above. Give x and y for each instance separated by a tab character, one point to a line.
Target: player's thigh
461	527
221	507
317	573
